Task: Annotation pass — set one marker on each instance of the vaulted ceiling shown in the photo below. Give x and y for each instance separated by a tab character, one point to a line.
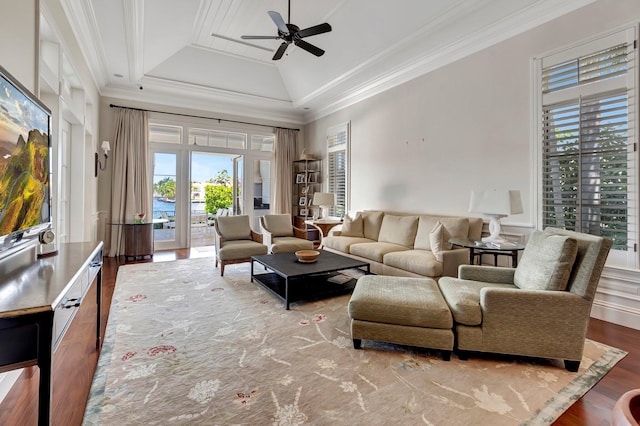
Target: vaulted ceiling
189	53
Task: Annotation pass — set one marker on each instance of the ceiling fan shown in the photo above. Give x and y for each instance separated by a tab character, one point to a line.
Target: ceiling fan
290	33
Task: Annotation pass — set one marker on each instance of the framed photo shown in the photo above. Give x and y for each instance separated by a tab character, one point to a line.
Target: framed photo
302	201
304	212
305	190
300	178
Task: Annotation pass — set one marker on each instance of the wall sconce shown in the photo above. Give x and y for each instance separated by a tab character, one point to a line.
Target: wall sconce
106	148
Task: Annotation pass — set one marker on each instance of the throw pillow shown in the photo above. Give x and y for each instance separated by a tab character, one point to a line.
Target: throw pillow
436	237
546	262
372	222
352	227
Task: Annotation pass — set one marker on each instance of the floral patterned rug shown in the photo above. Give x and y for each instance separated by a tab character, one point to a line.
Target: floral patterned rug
185	346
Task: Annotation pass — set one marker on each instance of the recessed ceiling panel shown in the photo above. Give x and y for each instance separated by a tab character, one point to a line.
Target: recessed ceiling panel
221	71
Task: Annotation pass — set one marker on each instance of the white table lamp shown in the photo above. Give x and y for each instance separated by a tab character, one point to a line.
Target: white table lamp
495	205
324	200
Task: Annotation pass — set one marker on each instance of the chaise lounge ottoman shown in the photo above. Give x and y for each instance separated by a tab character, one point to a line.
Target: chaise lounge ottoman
406	311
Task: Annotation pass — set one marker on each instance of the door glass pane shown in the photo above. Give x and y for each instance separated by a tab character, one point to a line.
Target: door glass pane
212	193
164	196
261	190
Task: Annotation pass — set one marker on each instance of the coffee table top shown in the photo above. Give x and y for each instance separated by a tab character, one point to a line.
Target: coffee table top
287	265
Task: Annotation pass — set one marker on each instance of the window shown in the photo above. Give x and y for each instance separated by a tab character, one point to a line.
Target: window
217	139
165	133
337	167
588	140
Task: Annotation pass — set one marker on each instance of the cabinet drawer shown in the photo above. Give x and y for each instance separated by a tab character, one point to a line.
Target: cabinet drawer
66	309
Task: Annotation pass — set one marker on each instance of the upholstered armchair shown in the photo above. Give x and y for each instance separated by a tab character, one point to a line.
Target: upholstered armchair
279	234
539	309
235	241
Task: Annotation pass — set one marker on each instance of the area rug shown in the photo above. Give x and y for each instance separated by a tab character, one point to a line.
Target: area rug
186	346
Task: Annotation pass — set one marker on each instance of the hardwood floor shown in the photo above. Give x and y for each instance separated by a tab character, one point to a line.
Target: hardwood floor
76	358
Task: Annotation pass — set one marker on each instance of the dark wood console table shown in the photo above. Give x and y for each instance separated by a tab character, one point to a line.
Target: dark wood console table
38	301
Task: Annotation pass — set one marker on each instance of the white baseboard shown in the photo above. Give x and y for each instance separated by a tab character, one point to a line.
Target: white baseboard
7	380
616	314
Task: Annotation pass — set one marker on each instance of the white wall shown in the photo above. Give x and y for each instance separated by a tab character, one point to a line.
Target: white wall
422	146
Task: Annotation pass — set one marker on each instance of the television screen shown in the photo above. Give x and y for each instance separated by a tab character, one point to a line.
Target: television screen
24	161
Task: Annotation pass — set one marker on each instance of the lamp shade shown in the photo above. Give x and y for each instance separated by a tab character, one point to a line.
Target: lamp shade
324	199
105	146
503	202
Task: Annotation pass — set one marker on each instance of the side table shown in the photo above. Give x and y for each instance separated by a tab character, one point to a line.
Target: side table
479	248
138	239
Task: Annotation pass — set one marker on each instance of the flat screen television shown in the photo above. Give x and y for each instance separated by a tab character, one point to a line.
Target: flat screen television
25	159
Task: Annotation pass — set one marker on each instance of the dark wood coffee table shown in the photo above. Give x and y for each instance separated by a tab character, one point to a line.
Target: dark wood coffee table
292	281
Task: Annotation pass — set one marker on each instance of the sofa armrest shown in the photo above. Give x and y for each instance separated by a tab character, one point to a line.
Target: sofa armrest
267	237
300	233
555	320
452	259
256	236
489	274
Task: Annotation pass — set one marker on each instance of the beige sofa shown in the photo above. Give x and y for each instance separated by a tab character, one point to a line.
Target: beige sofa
402	244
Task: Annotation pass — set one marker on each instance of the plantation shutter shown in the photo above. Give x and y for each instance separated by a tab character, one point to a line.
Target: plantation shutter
588	141
337	154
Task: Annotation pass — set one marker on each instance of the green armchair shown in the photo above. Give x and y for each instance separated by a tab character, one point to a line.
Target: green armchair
281	236
539	309
235	241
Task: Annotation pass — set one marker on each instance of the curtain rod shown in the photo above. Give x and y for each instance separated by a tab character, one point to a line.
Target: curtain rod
200	116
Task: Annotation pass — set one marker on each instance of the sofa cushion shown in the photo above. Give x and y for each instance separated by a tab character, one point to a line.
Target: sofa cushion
343	243
353	227
234	227
290	244
463	298
546	262
279	225
399	230
372	222
241	249
436	238
375	251
421	262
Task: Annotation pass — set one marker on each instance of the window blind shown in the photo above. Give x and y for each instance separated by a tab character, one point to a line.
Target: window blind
337	155
588	145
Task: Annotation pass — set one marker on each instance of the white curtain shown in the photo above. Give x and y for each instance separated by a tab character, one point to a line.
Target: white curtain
130	187
285	150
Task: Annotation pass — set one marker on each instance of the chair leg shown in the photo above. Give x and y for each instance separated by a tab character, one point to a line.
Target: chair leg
572	366
446	355
357	343
222	269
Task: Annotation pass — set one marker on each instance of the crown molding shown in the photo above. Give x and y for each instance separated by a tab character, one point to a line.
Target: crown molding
179	94
518	23
85	29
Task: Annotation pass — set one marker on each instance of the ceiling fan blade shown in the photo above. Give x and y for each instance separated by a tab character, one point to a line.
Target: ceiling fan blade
280	51
251	37
316	29
277	19
309	47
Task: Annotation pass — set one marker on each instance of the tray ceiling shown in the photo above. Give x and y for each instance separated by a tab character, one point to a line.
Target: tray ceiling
189	53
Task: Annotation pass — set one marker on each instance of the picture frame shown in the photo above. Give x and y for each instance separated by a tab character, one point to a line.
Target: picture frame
305	190
303	212
302	201
300	178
